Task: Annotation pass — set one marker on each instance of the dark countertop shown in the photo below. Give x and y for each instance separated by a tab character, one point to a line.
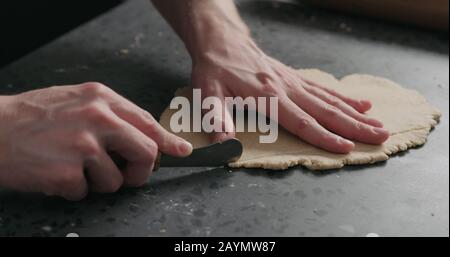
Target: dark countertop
406	196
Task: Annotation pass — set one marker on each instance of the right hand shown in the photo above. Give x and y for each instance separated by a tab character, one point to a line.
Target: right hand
56	141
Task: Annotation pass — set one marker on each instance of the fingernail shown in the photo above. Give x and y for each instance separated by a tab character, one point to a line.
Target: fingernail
346	142
220	137
365	102
380	131
383	135
346	145
185	147
343	141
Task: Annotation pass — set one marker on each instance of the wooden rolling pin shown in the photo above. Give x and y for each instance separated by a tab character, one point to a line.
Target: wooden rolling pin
425	13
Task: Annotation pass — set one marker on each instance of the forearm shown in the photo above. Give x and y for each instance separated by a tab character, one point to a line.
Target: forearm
4	119
203	24
4	102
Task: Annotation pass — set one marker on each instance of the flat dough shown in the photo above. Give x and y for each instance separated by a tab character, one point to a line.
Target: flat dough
405	113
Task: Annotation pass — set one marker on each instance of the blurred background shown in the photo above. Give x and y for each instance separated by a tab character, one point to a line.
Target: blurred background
432	14
27	25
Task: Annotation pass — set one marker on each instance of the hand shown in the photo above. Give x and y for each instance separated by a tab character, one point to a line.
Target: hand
235	66
57	140
226	62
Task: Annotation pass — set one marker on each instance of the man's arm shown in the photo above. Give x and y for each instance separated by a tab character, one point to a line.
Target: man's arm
4	99
227	62
202	24
4	102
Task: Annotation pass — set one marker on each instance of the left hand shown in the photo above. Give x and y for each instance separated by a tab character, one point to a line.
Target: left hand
226	62
316	114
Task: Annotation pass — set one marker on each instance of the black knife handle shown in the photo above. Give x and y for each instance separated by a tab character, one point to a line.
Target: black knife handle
121	163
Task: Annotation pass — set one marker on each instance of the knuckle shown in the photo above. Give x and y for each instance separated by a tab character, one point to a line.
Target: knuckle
270	89
153	130
334	101
152	126
331	111
269	85
305	122
263	77
86	144
359	126
359	129
97	113
211	90
332	92
151	150
148	153
92	108
294	91
94	88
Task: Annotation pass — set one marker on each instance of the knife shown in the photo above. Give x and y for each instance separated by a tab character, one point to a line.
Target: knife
214	155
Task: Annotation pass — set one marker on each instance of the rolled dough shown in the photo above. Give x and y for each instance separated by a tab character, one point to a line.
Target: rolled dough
405	113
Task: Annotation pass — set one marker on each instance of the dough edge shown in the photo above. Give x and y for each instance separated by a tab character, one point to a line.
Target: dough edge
397	143
411	139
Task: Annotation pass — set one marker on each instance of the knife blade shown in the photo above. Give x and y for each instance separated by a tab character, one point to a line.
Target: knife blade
214	155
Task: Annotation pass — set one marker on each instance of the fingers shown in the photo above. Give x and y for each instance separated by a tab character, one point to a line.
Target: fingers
142	120
102	174
361	106
137	149
344	107
219	114
299	123
67	181
227	125
337	121
127	130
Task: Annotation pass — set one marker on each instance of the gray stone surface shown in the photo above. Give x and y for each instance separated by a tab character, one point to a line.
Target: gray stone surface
406	196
